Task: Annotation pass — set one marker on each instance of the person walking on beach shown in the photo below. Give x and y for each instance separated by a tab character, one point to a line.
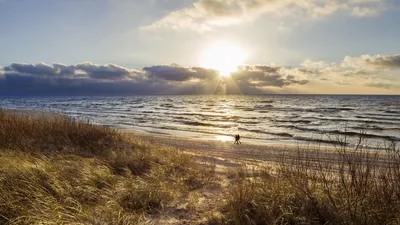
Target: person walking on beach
237	139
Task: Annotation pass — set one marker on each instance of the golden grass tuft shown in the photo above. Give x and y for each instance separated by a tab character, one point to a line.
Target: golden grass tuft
356	186
55	135
62	171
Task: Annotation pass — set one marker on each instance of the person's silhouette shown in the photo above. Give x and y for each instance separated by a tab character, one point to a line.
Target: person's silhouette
237	139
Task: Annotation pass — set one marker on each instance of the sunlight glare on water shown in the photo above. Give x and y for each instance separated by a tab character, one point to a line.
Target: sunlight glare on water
223	138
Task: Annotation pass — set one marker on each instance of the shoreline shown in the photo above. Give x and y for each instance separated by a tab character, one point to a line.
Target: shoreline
191	135
207	143
226	155
289	135
203	136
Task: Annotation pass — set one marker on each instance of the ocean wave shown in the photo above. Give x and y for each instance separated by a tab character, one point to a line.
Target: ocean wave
180	117
281	134
248	122
359	121
365	135
337	108
293	121
314	110
171	106
166	105
381	115
392	112
349	133
317	140
203	115
196	123
263	107
266	101
377	118
376	128
147	112
361	133
137	106
314	130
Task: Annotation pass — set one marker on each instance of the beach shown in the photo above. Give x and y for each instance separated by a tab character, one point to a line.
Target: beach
260	119
95	174
220	149
252	155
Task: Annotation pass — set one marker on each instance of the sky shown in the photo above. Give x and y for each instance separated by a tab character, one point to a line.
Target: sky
128	47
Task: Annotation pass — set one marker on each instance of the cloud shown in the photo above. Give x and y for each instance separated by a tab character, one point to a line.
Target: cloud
377	62
206	14
86	69
92	79
316	64
380	85
37	69
110	79
265	76
64	70
105	72
375	71
362	66
179	73
365	11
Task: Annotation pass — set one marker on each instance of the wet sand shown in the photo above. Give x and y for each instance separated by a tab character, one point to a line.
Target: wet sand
227	155
230	155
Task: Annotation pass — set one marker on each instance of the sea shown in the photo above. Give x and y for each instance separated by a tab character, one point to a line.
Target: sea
284	119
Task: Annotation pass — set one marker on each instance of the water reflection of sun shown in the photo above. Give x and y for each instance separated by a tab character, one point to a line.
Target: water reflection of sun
223	138
224	57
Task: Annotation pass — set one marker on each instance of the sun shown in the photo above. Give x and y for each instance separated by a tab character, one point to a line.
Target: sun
223	56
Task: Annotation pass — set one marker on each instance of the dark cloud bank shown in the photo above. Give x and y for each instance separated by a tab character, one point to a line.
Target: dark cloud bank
91	79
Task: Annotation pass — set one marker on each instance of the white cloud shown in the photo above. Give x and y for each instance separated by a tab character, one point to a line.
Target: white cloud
316	64
380	85
365	70
206	14
376	62
364	11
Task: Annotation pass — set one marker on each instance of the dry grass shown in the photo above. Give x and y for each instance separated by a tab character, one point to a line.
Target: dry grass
357	186
55	135
62	171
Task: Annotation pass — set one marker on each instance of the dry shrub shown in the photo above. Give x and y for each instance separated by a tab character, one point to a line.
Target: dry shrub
74	189
264	202
145	196
62	171
318	186
31	191
55	135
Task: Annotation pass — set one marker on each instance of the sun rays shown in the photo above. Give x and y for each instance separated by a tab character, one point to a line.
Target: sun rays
223	56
